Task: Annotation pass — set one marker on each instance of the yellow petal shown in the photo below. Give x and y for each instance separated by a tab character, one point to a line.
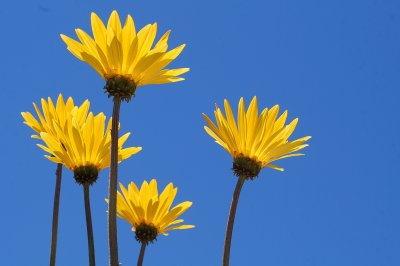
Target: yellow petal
115	24
99	31
73	46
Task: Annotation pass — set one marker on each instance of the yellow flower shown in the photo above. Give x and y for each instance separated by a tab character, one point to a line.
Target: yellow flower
148	212
84	149
118	51
55	114
255	140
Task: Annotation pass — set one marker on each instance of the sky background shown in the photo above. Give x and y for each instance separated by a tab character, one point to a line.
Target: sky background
333	64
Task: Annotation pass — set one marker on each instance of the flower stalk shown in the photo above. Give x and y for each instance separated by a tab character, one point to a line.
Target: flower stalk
141	255
112	194
56	206
89	227
231	220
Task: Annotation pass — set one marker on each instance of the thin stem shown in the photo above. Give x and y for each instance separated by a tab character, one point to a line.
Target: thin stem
112	193
89	227
56	206
231	220
141	255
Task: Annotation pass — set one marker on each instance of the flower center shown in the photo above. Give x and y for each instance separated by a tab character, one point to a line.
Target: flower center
87	174
246	167
120	86
146	233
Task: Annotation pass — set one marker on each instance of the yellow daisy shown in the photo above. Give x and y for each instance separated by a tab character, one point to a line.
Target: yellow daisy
124	57
148	212
255	140
48	116
55	114
85	149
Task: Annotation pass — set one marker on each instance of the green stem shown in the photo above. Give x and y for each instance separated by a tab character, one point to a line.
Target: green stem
56	206
112	194
141	255
231	220
89	227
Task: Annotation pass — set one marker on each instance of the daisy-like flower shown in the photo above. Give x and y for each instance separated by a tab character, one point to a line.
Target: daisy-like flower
126	59
55	114
254	140
49	116
150	213
85	149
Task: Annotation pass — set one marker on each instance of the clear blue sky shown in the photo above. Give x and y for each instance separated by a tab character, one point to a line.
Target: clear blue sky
333	64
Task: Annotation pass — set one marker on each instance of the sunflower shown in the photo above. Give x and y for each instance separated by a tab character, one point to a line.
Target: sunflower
123	57
255	140
148	212
84	149
55	115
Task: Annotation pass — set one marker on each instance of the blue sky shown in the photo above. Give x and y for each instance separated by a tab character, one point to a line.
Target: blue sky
333	64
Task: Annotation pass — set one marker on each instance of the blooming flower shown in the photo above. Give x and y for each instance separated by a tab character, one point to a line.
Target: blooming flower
55	114
148	212
85	149
255	140
117	51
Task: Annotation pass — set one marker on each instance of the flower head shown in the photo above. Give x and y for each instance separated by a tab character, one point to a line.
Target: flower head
255	140
117	52
55	114
148	212
84	149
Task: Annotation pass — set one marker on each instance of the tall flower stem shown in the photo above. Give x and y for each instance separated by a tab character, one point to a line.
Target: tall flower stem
89	227
141	255
231	220
112	193
56	206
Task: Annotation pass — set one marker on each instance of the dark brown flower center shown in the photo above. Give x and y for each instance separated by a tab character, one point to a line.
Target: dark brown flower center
146	233
121	87
246	167
87	174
